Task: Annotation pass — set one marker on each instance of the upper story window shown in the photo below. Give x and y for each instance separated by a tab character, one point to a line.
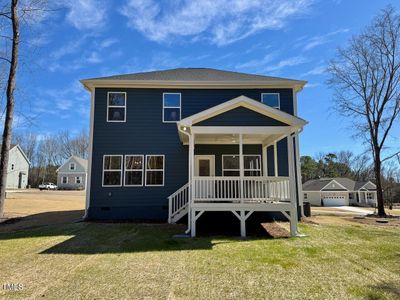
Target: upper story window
271	99
72	166
116	107
171	107
12	167
112	170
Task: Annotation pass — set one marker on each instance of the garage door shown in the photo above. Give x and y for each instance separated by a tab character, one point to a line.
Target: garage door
335	201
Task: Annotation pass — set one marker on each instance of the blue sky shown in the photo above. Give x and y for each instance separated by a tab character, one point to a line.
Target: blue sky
92	38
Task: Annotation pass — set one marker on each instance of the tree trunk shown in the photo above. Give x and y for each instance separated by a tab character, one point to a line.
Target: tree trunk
379	190
6	142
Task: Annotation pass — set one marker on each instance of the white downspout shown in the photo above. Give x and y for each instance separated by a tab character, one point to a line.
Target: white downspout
189	176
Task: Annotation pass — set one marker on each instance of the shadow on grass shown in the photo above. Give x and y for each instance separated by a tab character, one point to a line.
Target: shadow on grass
41	219
98	238
388	287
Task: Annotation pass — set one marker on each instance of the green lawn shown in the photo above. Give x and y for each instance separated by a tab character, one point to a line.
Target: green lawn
128	261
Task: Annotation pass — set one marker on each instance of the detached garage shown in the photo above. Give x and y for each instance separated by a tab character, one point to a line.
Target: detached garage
339	192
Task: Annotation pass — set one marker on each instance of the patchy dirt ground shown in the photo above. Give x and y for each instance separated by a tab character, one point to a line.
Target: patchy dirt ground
33	208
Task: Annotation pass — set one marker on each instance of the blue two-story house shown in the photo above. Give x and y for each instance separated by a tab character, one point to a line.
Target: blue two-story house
185	141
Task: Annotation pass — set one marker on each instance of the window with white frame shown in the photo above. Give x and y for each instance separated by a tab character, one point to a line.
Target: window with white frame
231	165
271	99
305	196
155	170
116	107
64	180
252	165
171	107
112	170
370	196
72	166
134	166
78	179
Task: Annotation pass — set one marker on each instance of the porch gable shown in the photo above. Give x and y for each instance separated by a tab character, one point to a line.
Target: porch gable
240	116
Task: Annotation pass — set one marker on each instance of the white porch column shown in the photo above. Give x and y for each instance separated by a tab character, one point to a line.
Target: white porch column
265	160
191	218
275	159
241	166
298	178
292	185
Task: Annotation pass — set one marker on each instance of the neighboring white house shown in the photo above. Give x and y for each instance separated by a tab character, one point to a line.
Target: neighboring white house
339	191
18	168
72	174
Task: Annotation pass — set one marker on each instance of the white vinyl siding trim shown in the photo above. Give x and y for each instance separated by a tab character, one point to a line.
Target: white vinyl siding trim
155	170
238	169
116	106
112	170
134	170
179	107
279	99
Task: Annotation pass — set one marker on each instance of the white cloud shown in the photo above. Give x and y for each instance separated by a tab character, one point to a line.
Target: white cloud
315	71
257	63
86	14
318	40
288	62
107	42
223	22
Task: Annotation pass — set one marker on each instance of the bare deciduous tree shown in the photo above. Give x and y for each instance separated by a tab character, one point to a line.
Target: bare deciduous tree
77	145
365	78
12	15
28	142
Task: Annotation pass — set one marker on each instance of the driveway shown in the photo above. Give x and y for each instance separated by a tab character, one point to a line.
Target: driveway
354	209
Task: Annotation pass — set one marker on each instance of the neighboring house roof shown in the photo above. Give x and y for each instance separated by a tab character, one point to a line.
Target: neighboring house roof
347	183
83	162
194	76
12	146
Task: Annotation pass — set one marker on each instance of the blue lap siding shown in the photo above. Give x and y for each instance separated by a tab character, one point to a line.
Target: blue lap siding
144	133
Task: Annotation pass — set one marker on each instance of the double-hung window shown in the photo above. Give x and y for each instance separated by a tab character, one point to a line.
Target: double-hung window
155	170
64	180
231	165
271	99
112	170
116	107
134	166
72	166
78	180
252	165
171	107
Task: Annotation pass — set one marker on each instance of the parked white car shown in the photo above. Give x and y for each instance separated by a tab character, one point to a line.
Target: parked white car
47	186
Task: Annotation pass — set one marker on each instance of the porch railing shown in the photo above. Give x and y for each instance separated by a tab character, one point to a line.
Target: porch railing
237	189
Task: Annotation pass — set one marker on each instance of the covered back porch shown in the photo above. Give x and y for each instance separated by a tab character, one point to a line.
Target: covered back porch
252	173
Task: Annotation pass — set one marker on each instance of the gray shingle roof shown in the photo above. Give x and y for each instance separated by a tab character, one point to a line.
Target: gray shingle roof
195	74
82	161
318	184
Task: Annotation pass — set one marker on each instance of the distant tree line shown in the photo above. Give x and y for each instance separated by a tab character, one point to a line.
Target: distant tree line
356	167
47	153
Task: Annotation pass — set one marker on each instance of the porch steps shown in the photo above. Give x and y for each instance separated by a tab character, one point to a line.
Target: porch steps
178	204
179	215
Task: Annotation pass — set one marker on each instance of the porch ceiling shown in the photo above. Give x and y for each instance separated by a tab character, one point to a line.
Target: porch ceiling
227	138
